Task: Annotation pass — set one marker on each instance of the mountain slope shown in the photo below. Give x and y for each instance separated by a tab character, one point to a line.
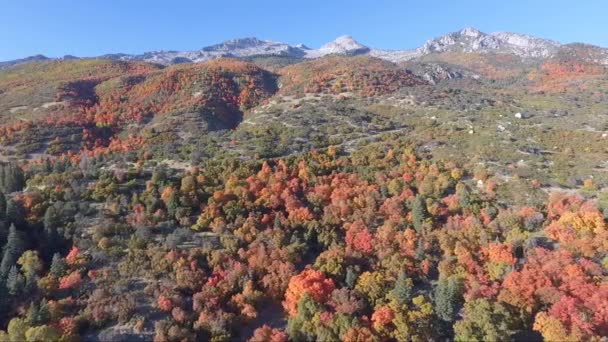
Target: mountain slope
467	40
363	75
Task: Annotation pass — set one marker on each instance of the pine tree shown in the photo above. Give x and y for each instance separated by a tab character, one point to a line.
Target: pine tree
12	250
11	177
32	315
14	281
15	213
4	298
52	222
448	298
2	206
58	266
351	277
173	204
419	213
403	289
44	312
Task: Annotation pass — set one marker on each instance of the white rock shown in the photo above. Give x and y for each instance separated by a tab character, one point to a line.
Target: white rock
518	115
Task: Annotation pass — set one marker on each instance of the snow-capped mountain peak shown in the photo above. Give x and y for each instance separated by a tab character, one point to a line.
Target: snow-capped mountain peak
343	45
472	40
466	40
471	32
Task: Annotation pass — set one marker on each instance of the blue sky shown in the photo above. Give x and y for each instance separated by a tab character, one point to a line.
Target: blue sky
94	27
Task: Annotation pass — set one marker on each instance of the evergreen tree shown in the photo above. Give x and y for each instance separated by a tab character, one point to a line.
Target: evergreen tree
351	277
173	204
2	206
58	266
15	213
14	281
11	178
32	315
4	296
403	289
12	251
44	312
419	213
448	298
52	222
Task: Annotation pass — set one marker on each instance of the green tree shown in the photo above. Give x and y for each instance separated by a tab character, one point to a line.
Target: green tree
420	214
17	328
302	327
14	281
31	265
448	298
15	213
403	290
11	177
2	206
12	251
52	222
42	333
58	266
485	321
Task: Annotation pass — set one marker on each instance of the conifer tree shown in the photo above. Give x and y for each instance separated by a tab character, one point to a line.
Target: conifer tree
448	298
52	222
2	206
14	281
12	251
58	266
419	213
11	177
402	291
15	213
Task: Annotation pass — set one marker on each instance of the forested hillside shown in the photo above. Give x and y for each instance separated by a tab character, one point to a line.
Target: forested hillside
456	196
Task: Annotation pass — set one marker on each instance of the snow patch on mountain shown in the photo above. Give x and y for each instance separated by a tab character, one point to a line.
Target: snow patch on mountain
344	45
473	40
467	40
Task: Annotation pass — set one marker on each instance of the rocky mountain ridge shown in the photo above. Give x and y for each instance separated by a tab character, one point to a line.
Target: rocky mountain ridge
467	40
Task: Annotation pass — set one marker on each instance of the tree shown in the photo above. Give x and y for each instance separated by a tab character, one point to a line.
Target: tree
448	298
42	333
267	334
2	206
58	266
11	177
419	213
485	321
12	251
373	285
17	328
52	222
403	290
15	213
301	326
310	282
351	276
31	265
14	281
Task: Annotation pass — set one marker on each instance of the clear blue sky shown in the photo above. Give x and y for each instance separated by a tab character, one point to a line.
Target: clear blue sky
94	27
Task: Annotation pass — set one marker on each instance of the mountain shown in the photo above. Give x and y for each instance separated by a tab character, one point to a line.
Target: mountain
472	40
344	45
36	58
467	40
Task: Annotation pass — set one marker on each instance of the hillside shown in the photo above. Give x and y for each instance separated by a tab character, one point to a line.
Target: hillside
259	191
365	76
74	106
